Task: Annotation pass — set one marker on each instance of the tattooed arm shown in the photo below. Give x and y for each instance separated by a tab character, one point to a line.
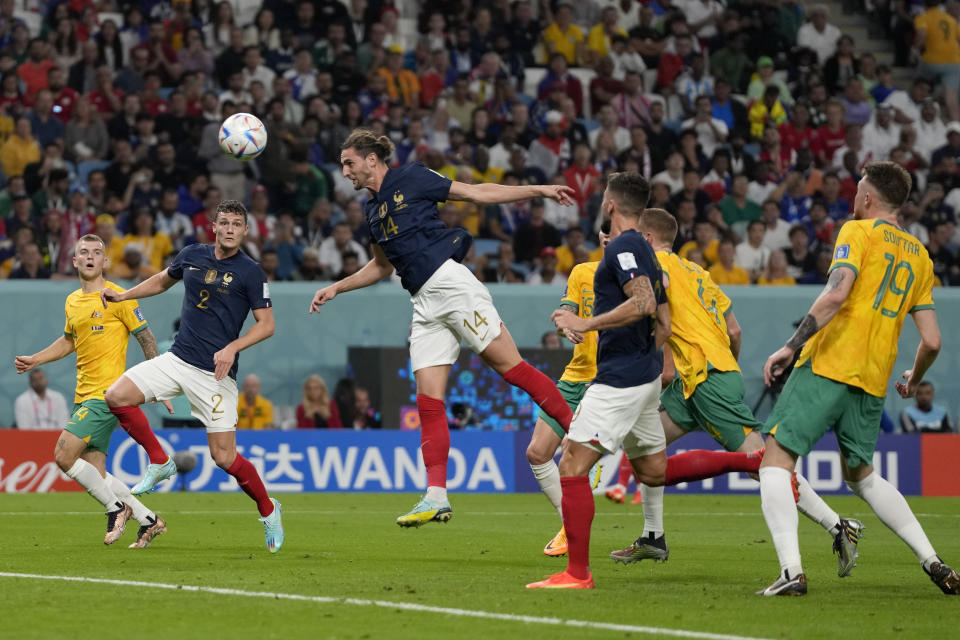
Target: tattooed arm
640	303
148	343
824	308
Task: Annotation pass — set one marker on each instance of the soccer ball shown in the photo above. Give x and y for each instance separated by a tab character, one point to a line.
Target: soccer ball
243	136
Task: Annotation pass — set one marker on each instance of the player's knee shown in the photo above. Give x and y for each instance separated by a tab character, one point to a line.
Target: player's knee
223	458
535	455
114	396
64	459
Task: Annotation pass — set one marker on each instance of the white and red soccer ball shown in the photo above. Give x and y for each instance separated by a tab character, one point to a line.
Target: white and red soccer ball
243	136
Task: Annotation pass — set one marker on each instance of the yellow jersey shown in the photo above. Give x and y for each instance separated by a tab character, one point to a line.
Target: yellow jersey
256	416
579	294
100	337
711	254
894	277
737	275
564	42
782	281
941	46
698	322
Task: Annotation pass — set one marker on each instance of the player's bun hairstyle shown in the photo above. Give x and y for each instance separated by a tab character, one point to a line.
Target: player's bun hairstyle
365	142
231	206
660	224
631	191
891	181
90	237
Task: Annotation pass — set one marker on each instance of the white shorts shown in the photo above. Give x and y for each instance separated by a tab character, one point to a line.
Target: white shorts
212	401
451	306
610	417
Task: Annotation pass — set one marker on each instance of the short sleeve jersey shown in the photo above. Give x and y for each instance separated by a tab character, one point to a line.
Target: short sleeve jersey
698	310
403	220
627	356
894	277
100	337
218	295
579	295
941	46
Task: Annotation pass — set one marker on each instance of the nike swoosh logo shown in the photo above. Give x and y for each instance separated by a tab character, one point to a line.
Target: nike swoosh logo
215	419
484	336
194	268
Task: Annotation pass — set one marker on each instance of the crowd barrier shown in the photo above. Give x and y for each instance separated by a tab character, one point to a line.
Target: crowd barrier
480	462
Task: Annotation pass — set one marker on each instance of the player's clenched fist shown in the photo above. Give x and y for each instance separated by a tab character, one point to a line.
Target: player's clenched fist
24	363
322	297
564	319
110	295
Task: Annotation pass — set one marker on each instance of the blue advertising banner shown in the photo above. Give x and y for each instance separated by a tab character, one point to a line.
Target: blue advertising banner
295	461
480	462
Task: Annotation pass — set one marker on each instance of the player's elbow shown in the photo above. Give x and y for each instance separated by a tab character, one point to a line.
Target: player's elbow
268	326
734	334
931	343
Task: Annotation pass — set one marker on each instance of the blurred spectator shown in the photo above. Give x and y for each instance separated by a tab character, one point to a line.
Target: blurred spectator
401	84
633	107
332	249
40	407
33	71
153	245
535	234
704	240
776	273
764	78
776	229
751	254
317	410
732	64
566	253
924	416
547	272
800	260
253	410
504	267
563	36
86	136
725	271
177	226
765	111
310	268
351	264
937	36
364	415
20	149
737	209
711	131
31	264
551	341
821	270
945	265
818	34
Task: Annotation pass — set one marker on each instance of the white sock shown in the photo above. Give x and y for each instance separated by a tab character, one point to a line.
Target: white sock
893	510
437	494
652	510
95	484
780	512
141	513
813	506
548	477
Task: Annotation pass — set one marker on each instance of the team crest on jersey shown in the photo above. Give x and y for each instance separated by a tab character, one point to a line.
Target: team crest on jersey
211	276
842	252
383	210
96	314
227	279
398	202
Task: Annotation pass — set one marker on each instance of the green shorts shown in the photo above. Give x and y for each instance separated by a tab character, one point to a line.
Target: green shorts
572	392
716	407
810	405
93	423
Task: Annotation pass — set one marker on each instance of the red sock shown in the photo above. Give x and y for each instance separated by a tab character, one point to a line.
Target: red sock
249	480
542	390
700	464
135	423
578	511
434	439
626	471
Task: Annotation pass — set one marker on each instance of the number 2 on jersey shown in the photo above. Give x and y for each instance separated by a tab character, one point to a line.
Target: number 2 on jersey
889	284
204	296
389	228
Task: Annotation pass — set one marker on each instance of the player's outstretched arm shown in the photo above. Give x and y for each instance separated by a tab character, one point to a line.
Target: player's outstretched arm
926	321
150	287
60	348
261	330
371	273
824	308
500	193
640	303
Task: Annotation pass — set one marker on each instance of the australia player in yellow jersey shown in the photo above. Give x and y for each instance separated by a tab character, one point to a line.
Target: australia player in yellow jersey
99	336
707	394
582	368
880	273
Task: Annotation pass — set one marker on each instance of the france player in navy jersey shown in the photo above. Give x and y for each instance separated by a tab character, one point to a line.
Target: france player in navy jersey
449	303
221	286
620	407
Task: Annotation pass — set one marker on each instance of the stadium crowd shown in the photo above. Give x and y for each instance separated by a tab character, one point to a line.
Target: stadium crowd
751	120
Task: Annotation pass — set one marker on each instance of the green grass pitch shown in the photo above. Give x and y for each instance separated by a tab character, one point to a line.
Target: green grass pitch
341	546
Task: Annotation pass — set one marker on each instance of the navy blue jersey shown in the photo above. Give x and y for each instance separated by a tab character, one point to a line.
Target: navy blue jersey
403	220
218	295
627	356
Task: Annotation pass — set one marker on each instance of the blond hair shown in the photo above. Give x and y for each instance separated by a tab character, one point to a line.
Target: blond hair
323	405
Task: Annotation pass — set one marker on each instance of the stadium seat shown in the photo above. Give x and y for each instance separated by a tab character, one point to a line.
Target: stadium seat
584	75
486	246
532	78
